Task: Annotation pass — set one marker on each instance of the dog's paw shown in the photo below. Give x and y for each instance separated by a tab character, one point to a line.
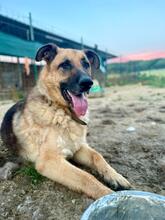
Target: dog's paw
116	181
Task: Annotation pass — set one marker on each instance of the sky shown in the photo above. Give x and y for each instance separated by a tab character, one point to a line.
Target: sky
118	26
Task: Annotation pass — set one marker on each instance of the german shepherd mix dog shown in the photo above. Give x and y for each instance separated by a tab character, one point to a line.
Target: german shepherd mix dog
50	126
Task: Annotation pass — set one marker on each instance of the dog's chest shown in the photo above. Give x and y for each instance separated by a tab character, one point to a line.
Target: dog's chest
67	135
70	139
49	129
63	134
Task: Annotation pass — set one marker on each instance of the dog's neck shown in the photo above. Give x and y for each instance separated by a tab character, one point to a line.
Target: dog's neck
50	102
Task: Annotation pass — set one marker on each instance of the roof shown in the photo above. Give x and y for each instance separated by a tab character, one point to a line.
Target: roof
139	57
14	46
20	30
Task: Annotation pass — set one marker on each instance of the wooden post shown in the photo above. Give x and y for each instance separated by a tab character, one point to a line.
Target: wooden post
31	27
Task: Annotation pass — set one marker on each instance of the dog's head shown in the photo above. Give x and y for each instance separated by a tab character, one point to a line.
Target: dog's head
67	75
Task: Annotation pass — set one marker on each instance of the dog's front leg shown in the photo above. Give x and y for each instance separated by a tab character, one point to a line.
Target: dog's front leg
56	168
91	158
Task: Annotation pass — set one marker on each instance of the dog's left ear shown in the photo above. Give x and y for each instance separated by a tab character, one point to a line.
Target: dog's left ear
47	53
93	59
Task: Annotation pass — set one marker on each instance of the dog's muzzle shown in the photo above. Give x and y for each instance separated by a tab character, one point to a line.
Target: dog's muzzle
74	91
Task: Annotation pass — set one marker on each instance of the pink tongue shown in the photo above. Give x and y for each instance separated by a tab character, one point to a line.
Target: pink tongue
80	104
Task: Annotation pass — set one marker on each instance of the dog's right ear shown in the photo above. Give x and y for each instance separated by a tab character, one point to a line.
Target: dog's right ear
93	59
47	53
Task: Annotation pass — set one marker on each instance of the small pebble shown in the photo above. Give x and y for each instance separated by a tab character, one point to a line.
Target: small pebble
131	129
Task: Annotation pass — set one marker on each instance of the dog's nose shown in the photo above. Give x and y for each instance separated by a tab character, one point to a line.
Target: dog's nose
85	83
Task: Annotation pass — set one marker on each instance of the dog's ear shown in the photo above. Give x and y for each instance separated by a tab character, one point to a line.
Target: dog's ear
93	59
47	53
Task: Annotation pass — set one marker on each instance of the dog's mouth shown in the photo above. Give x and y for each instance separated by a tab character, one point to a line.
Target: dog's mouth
78	103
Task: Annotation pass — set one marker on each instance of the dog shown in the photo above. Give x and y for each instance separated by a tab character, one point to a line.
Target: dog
50	125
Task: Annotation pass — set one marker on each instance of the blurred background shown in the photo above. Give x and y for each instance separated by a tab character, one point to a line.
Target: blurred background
127	35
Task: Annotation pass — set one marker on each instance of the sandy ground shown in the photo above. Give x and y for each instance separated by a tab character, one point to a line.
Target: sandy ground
128	127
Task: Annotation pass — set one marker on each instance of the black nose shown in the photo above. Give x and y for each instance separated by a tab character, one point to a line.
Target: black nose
85	83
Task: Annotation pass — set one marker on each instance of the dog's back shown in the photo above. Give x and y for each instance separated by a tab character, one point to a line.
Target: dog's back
8	137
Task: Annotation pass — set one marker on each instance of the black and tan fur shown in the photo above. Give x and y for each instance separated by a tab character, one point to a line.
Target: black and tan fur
45	130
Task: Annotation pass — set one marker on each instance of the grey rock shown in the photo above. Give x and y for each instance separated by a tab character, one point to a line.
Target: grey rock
7	170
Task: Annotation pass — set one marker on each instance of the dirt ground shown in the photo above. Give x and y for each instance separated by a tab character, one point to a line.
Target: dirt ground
127	127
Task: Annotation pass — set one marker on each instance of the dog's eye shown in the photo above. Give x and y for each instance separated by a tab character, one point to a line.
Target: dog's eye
65	65
85	64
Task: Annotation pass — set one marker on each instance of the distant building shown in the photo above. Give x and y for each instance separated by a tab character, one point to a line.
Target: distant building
18	44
